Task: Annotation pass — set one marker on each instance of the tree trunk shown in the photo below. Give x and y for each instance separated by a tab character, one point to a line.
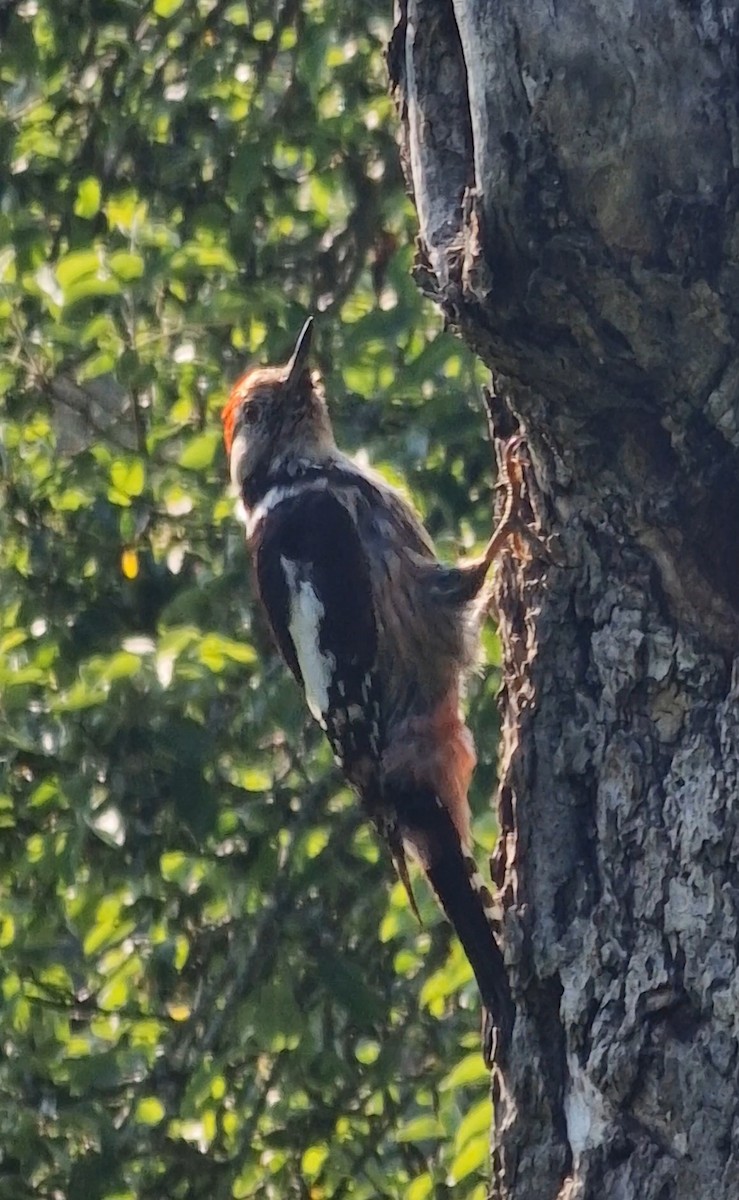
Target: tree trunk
574	169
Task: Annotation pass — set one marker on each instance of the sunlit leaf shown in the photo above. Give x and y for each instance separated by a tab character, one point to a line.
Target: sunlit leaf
7	930
130	563
87	204
419	1129
475	1121
167	8
128	476
126	266
72	268
178	1011
367	1052
198	453
473	1158
214	650
149	1110
469	1070
420	1188
313	1159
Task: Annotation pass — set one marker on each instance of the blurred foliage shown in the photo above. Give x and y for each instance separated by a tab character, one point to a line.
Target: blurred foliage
209	985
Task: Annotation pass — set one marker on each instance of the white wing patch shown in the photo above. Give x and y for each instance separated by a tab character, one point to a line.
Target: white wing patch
306	613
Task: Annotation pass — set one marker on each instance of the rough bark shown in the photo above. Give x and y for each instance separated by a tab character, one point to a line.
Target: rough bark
574	167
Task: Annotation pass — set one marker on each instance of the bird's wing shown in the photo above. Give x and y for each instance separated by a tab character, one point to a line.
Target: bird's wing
314	582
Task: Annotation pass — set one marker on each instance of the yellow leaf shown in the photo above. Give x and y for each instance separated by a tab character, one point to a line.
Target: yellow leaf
178	1011
130	563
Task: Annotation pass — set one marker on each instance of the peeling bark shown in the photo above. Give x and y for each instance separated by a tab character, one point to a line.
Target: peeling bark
574	167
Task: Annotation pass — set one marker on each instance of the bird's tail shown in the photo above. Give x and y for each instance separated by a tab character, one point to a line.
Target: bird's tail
426	827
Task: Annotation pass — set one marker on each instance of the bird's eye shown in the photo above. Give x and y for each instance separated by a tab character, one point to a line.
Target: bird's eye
251	413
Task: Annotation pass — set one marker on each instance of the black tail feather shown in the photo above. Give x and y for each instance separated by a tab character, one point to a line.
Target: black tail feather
426	825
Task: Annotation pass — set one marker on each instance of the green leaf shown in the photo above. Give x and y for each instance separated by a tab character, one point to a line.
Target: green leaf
253	780
367	1052
420	1188
474	1157
214	650
476	1121
87	204
126	266
13	639
149	1111
313	1159
79	696
126	211
199	452
419	1129
167	8
469	1072
77	266
316	842
71	500
128	476
7	930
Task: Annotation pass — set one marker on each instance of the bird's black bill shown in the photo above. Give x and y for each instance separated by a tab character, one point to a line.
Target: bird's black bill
299	360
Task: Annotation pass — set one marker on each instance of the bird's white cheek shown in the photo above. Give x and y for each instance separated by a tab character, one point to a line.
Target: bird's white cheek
238	461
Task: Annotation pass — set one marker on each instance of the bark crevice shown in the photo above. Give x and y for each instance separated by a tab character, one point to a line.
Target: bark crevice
428	76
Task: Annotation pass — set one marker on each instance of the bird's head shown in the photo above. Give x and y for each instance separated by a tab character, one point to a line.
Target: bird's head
274	420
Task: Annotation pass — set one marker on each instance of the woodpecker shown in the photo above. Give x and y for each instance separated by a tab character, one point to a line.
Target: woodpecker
379	634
